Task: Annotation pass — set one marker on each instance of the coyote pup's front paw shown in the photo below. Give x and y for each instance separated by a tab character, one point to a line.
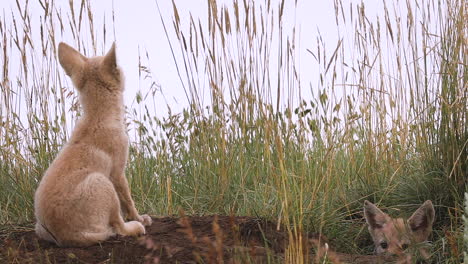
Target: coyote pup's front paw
145	220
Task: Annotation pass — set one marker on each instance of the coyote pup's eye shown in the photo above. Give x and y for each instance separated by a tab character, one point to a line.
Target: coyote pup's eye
404	246
384	245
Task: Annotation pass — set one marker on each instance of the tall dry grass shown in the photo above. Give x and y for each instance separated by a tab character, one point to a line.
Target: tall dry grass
386	120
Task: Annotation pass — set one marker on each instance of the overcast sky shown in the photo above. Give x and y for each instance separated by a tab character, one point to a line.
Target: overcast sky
138	27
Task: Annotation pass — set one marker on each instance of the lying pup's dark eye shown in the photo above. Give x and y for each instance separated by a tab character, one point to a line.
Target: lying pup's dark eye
404	246
384	245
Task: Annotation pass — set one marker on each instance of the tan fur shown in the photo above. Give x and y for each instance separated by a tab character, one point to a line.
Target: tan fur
397	236
82	194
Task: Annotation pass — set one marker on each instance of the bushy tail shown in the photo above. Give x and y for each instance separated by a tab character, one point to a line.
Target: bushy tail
44	233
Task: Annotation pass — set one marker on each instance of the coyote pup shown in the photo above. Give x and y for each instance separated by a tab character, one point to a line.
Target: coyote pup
80	198
394	236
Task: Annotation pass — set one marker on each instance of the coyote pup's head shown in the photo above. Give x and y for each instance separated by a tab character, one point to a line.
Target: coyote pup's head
398	236
97	79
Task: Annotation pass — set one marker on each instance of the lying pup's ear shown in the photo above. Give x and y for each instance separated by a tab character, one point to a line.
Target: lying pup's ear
375	218
423	218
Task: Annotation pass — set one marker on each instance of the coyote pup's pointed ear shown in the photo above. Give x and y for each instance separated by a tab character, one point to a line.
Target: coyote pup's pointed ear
423	218
70	59
110	60
375	218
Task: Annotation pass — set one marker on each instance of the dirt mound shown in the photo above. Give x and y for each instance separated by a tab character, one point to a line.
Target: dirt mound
195	239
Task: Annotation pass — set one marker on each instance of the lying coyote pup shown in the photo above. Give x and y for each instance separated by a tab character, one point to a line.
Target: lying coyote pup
78	201
395	236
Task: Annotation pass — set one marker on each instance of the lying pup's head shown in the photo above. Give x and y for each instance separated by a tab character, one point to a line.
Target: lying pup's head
398	236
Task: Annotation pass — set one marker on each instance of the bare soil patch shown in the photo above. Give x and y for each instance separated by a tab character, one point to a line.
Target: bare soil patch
194	239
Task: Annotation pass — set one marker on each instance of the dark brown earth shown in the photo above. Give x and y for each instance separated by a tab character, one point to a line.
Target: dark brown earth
194	239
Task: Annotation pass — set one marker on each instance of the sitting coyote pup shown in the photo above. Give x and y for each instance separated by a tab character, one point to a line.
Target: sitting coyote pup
394	236
78	201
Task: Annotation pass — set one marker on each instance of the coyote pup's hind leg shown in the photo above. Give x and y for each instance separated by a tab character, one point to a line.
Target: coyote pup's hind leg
102	211
110	201
131	228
